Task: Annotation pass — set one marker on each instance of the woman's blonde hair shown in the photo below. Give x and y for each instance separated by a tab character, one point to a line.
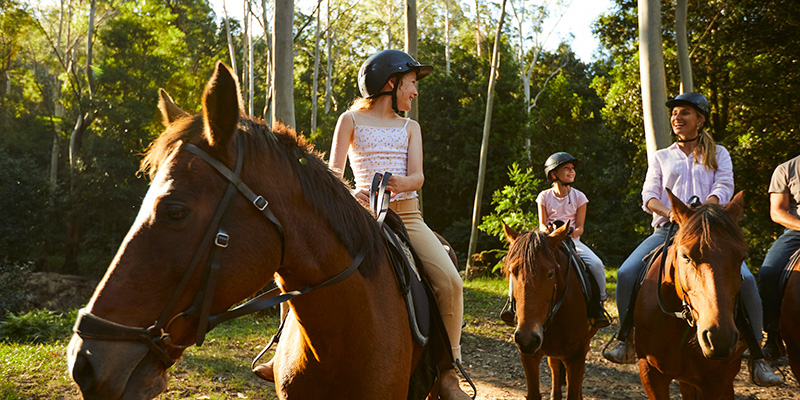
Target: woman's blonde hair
706	149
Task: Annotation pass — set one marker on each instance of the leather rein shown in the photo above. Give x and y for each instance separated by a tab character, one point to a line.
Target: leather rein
156	336
686	313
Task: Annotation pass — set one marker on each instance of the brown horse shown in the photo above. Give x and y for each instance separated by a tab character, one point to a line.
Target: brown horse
684	317
551	310
291	219
789	323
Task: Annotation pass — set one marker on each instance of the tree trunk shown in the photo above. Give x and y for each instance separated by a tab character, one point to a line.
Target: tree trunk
283	78
269	67
447	37
478	36
684	63
231	49
329	56
250	76
487	125
653	77
315	82
411	45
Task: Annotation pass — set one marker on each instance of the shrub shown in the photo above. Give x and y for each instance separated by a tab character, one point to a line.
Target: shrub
38	326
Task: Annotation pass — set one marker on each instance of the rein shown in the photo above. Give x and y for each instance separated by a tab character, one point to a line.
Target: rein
157	337
554	307
686	313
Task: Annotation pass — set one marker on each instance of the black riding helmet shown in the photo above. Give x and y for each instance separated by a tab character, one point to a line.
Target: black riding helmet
381	66
695	100
556	160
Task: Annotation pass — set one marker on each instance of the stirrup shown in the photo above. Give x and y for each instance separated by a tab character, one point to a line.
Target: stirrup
508	314
457	365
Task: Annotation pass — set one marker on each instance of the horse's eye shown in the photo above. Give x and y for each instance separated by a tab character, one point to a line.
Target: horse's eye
686	258
551	274
176	212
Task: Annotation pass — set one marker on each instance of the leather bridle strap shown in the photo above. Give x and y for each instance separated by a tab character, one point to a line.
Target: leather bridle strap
557	306
686	313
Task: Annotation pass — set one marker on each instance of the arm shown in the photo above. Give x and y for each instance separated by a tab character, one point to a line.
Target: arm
543	218
415	178
652	190
779	211
580	218
656	206
722	189
342	137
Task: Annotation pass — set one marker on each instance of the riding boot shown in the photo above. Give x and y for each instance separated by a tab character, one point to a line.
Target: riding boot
773	349
599	318
265	372
762	374
509	313
622	353
449	388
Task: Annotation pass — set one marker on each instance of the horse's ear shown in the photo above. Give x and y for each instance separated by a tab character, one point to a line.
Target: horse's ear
511	234
220	107
558	236
682	211
735	207
169	111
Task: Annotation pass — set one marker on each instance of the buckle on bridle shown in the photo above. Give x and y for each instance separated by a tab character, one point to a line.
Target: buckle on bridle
260	203
222	239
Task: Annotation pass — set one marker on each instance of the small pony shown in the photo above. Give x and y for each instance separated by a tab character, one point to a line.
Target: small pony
232	205
551	310
697	341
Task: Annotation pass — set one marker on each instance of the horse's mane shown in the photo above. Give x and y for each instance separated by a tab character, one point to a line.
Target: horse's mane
329	195
524	250
710	225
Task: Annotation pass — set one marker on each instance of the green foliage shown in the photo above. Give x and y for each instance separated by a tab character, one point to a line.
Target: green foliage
38	326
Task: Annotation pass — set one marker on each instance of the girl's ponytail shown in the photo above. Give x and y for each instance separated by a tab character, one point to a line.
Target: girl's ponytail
706	149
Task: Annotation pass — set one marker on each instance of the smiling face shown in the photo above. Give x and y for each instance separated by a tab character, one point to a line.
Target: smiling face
407	91
565	173
686	121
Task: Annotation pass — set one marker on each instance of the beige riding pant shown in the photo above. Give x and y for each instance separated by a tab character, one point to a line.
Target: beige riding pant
437	266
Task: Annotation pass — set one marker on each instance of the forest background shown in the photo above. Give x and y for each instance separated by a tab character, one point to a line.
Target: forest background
72	133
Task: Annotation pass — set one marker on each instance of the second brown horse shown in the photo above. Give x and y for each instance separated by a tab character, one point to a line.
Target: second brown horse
551	311
701	280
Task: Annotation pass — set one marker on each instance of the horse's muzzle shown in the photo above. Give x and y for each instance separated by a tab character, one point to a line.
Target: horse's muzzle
528	342
717	343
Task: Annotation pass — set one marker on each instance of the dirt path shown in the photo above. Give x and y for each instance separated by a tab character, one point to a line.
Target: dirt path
494	365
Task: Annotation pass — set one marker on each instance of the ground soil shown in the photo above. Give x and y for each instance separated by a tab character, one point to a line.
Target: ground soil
497	371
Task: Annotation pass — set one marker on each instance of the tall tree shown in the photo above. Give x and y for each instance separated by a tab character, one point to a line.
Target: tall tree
411	44
682	41
231	48
315	81
283	62
653	77
487	125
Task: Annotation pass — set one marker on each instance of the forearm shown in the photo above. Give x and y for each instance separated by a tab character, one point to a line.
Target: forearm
785	219
410	183
658	207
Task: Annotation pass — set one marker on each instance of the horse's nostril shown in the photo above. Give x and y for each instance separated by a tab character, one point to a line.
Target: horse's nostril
707	339
528	342
83	372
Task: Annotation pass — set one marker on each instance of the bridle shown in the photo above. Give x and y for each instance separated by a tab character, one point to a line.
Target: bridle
157	337
554	306
686	313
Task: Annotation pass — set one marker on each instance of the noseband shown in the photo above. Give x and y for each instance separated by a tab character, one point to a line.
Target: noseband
157	337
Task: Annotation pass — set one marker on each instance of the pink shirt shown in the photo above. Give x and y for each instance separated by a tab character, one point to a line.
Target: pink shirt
379	149
672	168
561	209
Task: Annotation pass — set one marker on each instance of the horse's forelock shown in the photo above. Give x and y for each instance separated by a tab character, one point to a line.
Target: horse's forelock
709	226
525	248
187	128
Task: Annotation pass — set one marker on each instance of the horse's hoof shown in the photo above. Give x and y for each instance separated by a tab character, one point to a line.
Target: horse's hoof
762	374
621	354
265	372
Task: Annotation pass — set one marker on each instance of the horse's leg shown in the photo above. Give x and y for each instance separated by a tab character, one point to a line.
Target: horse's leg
793	353
688	391
556	370
655	383
530	363
575	370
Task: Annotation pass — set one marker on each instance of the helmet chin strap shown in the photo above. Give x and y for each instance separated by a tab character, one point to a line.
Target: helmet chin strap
393	93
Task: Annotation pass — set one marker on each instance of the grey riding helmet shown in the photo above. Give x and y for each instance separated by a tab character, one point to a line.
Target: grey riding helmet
695	100
556	160
381	66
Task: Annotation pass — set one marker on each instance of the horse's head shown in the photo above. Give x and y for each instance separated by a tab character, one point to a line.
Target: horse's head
212	230
706	258
532	261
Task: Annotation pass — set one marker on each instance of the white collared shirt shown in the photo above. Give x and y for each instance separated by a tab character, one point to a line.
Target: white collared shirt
671	168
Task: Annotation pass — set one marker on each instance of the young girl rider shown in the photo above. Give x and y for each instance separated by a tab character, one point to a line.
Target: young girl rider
560	204
692	166
376	140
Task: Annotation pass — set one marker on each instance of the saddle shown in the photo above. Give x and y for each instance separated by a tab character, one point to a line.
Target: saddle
589	286
787	271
